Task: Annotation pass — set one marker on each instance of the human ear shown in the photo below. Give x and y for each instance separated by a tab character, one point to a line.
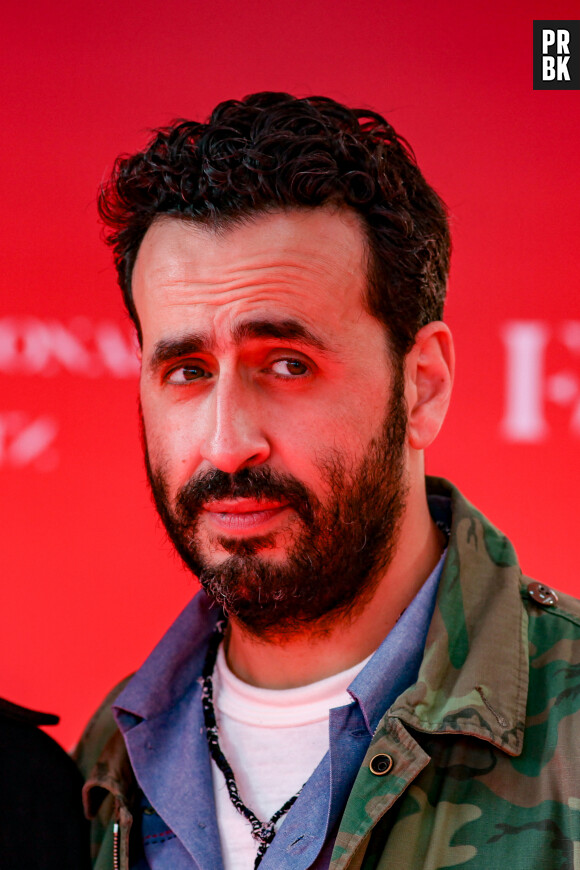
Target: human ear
429	370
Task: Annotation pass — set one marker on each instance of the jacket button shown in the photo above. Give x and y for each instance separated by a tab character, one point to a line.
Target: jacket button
380	764
542	594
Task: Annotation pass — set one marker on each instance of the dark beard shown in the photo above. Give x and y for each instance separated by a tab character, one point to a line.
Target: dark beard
337	551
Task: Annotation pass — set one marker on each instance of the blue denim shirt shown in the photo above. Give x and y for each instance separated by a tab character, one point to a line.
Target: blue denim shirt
161	718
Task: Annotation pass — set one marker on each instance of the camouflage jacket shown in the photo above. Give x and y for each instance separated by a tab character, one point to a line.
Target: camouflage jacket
475	765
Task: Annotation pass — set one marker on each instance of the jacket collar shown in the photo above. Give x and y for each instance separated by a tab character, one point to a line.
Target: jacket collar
474	676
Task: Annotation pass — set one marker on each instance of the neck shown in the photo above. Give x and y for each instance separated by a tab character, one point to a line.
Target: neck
302	658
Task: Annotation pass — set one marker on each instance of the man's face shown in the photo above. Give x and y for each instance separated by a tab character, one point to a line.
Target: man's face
273	419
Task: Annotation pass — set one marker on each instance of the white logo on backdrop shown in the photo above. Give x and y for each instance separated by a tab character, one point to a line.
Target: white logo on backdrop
529	388
28	440
31	346
46	347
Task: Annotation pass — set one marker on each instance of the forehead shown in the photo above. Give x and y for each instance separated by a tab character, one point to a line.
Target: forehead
308	265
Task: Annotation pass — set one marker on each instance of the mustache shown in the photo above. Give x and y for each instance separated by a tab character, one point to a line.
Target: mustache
256	483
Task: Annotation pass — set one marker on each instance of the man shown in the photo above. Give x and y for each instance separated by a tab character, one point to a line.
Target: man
351	689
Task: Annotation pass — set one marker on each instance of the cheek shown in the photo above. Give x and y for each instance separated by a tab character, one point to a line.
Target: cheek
170	443
345	426
305	449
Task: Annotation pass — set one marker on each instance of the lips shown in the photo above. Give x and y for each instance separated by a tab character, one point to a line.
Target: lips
239	515
242	506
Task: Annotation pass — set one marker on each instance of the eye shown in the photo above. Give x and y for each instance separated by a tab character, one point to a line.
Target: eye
185	374
290	368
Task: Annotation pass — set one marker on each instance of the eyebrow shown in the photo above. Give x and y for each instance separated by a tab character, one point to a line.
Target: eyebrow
288	330
201	342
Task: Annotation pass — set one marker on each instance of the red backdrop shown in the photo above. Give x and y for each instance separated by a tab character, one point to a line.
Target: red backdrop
90	582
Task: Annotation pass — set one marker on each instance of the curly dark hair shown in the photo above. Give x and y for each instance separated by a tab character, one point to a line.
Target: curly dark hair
272	151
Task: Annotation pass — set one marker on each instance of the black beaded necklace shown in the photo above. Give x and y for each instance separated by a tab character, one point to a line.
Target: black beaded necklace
263	832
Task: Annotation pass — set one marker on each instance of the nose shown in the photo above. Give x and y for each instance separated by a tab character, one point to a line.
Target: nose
233	435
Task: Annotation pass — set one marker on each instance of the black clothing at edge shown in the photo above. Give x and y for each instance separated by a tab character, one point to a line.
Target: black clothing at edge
42	826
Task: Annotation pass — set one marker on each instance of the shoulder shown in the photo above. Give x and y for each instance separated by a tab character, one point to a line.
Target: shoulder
16	713
553	707
28	753
100	730
553	626
552	614
40	795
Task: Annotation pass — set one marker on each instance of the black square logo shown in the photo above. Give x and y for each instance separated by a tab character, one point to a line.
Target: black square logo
556	55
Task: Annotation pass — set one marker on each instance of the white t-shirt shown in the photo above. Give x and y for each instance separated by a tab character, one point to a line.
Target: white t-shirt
273	740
